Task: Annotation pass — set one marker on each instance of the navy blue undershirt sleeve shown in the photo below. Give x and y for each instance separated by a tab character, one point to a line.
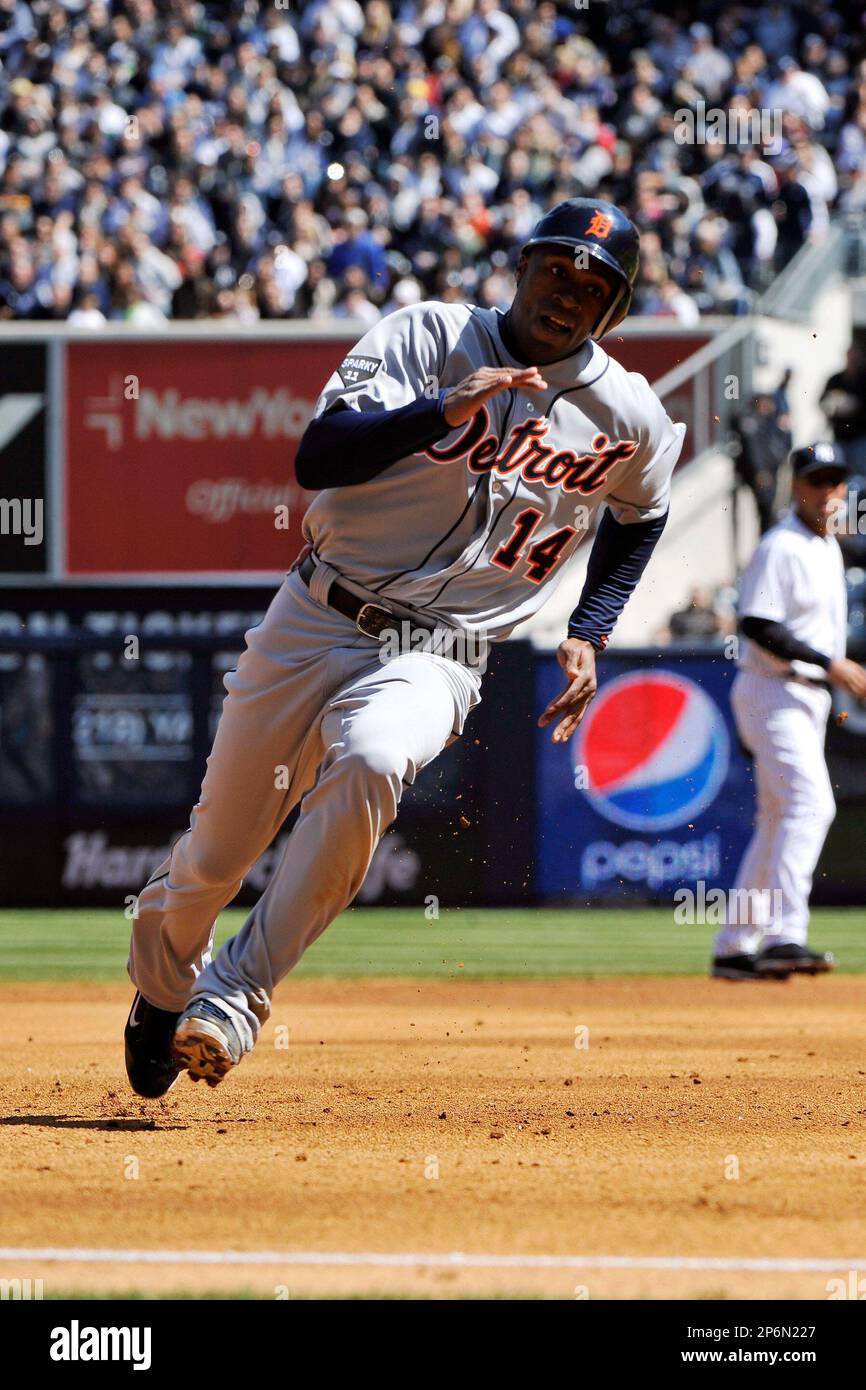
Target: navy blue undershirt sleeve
344	446
618	558
776	638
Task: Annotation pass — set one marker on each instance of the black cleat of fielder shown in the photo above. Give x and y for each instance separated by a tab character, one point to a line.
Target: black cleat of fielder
795	960
148	1036
745	968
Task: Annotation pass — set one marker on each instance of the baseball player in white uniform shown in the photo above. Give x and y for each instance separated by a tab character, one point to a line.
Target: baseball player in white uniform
793	618
458	454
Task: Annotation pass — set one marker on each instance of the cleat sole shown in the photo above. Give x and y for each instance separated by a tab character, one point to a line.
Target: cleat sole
201	1050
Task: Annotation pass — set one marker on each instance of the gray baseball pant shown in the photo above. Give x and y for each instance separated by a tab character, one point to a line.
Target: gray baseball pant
317	714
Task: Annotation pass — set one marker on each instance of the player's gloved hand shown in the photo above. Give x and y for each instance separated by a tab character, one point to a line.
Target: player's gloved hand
577	659
848	676
466	398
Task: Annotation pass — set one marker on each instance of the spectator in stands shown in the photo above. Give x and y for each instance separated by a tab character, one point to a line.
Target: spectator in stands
759	446
706	65
799	93
420	138
87	313
673	302
851	149
776	30
22	294
792	209
712	272
696	623
843	401
817	172
737	190
354	245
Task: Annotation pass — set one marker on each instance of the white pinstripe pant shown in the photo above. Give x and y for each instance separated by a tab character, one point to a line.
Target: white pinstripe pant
784	724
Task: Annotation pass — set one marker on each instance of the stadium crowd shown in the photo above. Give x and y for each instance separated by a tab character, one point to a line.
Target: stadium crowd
245	160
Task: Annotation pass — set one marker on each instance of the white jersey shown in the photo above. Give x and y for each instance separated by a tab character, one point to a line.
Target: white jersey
479	529
797	578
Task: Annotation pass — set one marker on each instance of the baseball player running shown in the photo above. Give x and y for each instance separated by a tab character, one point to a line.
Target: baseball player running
458	455
793	615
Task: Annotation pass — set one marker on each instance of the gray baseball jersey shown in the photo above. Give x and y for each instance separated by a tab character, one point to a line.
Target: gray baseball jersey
479	529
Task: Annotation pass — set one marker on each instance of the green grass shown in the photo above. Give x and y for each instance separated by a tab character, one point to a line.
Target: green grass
92	945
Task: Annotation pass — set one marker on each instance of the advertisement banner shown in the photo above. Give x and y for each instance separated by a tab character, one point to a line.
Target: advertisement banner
23	425
654	357
84	864
106	719
653	792
179	454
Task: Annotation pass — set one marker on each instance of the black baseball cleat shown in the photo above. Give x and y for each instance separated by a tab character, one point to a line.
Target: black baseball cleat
744	968
795	960
148	1038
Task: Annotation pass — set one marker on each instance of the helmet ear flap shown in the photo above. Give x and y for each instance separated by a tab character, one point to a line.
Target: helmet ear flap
614	313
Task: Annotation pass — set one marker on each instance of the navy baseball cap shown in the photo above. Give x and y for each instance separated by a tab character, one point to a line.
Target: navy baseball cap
819	458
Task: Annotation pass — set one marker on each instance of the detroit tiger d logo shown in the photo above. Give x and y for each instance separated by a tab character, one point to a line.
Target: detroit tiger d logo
600	224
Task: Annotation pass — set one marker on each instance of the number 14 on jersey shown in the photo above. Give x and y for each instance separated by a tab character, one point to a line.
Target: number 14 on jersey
542	554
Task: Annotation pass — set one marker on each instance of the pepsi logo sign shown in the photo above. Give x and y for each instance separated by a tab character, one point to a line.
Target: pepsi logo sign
654	749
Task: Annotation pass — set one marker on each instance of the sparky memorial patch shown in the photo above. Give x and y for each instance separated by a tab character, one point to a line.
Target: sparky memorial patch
354	370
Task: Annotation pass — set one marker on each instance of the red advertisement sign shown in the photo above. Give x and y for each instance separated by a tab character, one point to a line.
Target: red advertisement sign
654	357
179	454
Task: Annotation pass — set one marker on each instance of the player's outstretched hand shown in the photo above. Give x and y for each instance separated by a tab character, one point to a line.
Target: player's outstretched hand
577	660
848	676
466	398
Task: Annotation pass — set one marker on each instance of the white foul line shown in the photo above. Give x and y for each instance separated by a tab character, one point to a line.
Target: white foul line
454	1259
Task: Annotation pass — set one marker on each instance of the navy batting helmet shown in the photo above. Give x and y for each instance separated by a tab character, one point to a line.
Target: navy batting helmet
819	458
607	235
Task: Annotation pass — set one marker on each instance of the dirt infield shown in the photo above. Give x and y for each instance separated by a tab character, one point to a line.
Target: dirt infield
702	1121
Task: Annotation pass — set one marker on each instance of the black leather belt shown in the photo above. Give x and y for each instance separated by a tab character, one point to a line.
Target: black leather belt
373	619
